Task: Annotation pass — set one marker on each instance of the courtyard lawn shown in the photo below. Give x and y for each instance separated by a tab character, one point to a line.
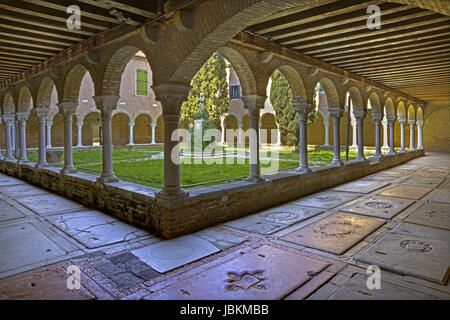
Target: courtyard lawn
144	166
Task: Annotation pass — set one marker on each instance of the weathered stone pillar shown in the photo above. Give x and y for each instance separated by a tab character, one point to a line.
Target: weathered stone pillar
48	125
153	125
412	135
240	128
22	117
303	110
402	136
419	135
278	135
385	133
13	135
391	121
222	125
377	119
67	109
8	118
360	115
106	105
171	96
131	127
326	124
41	114
79	134
354	134
336	114
254	104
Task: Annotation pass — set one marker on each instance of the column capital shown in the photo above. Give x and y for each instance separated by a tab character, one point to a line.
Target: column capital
419	123
106	104
22	116
359	114
254	103
130	124
336	113
171	96
302	107
391	118
402	121
411	122
42	112
153	125
8	118
377	117
79	123
67	109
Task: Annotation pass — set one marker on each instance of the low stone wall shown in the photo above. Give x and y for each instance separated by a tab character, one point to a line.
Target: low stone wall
205	206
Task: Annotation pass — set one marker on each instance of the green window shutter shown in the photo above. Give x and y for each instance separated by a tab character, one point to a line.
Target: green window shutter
141	82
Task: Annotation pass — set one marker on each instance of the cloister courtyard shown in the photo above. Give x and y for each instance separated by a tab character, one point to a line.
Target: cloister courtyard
225	150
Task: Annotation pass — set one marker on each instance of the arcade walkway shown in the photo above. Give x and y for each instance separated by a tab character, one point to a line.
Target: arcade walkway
317	247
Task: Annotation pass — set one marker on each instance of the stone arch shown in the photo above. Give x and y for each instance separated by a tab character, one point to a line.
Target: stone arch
142	132
295	81
25	100
401	111
8	104
331	93
112	76
411	112
72	83
44	94
230	122
389	108
268	122
125	112
57	130
81	116
91	127
245	126
375	103
419	114
242	69
120	129
141	112
357	99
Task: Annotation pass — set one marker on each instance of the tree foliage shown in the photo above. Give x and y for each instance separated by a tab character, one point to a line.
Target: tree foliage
211	80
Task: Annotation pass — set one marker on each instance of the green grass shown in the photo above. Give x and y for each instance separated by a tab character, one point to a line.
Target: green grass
134	166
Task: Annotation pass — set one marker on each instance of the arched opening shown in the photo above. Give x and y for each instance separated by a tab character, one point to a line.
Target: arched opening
231	123
142	130
269	125
91	129
120	130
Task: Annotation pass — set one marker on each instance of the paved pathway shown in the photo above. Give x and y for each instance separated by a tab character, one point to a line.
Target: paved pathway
317	247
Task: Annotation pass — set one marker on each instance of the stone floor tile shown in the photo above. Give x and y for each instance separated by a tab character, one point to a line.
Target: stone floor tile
432	215
361	186
171	254
125	280
288	214
336	233
445	184
8	212
255	225
221	240
439	195
327	199
406	191
265	273
413	250
94	229
378	206
9	181
21	190
48	204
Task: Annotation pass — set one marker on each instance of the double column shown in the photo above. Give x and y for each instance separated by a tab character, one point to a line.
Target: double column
9	122
391	122
48	125
412	135
419	134
336	114
254	104
359	116
42	114
377	119
106	105
303	110
67	109
402	135
79	134
171	96
22	118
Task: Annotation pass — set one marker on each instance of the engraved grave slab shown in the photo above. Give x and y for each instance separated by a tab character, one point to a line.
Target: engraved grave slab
266	273
288	214
94	229
412	249
221	240
253	224
422	181
48	204
361	186
327	199
378	206
432	215
170	254
336	233
439	195
406	191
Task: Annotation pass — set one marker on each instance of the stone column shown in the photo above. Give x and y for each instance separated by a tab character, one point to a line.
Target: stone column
48	125
171	96
419	135
336	114
41	114
385	133
326	124
222	124
391	121
402	136
67	109
303	111
131	127
106	105
8	118
377	120
13	135
240	128
360	115
79	134
254	104
153	133
278	136
22	117
354	141
412	135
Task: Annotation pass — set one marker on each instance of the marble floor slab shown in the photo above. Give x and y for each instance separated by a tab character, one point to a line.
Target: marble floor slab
406	192
327	199
431	214
170	254
378	206
220	239
255	225
288	214
336	233
266	273
445	184
94	229
414	250
438	195
9	181
8	212
21	190
361	186
48	204
422	181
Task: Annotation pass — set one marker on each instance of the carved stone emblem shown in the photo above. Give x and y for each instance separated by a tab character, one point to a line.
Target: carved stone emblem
337	229
246	280
280	216
379	205
436	214
416	246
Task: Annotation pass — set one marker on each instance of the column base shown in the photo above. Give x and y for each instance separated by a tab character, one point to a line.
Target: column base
376	156
254	179
336	163
172	193
79	146
23	161
411	149
69	169
420	148
402	151
303	169
129	145
41	165
107	178
391	153
153	143
360	159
